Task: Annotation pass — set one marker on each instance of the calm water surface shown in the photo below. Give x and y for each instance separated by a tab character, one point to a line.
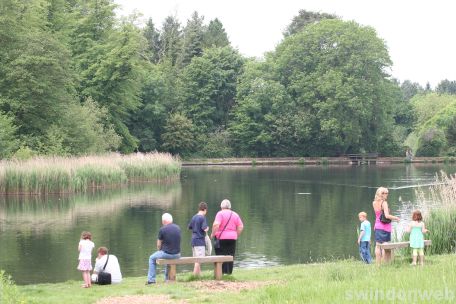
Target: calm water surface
291	215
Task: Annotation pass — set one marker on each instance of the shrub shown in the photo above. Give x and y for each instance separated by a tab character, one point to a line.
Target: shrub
8	291
431	143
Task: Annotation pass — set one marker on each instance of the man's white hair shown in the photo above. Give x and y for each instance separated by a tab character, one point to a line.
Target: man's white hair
225	204
166	217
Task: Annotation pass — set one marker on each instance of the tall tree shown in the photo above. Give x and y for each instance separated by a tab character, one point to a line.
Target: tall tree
305	18
170	40
446	87
208	87
153	41
215	35
192	40
331	78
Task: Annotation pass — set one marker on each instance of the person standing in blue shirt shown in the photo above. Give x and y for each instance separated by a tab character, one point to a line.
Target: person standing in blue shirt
364	238
198	226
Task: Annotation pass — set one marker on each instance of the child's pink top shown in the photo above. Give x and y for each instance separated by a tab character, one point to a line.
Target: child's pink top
380	225
230	231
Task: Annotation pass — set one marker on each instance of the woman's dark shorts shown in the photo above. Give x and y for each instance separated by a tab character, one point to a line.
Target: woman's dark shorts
382	236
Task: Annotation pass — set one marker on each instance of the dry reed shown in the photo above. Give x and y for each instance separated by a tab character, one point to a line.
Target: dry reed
78	174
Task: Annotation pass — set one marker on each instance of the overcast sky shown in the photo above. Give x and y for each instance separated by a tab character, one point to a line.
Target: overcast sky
420	34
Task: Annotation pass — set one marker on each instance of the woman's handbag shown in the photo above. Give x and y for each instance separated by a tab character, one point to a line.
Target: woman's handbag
208	242
383	217
216	240
104	278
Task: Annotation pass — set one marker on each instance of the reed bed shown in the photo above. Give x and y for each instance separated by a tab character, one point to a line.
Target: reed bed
440	217
42	175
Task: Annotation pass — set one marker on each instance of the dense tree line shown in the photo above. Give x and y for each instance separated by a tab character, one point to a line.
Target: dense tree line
76	79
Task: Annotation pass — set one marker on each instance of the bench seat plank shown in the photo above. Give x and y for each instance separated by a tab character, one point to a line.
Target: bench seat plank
401	245
192	260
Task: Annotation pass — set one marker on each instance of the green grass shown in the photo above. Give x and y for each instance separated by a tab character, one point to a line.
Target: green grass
78	174
442	226
331	282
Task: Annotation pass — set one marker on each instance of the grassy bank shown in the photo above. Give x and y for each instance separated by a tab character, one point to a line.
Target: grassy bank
333	282
78	174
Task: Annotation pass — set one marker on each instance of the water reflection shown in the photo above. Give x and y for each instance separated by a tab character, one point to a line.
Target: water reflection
291	215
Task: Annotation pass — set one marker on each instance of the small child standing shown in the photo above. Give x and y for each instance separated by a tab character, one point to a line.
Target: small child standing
416	229
85	257
364	238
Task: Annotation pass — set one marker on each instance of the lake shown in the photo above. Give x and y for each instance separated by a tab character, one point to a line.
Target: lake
293	214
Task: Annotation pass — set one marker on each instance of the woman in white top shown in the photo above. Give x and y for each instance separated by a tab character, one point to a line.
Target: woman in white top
112	266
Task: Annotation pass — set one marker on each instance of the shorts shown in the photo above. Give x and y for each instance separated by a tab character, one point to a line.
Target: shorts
85	265
199	251
382	236
417	251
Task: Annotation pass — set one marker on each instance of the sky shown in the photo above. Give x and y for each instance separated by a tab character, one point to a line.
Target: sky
420	34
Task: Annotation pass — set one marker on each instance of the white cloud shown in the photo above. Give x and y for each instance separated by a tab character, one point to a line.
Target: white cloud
419	34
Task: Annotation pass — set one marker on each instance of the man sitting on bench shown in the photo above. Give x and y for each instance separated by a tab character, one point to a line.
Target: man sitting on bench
168	246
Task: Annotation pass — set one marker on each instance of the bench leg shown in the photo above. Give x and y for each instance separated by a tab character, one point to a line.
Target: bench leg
388	255
172	272
218	271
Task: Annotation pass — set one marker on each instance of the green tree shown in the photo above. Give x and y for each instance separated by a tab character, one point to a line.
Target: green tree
8	140
431	143
192	40
208	87
178	135
410	89
303	19
446	87
341	86
215	35
158	99
153	41
170	40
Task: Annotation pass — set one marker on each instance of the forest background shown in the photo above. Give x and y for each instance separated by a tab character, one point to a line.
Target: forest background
75	79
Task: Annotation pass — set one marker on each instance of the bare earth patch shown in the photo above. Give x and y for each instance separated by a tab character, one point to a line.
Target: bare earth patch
229	286
142	299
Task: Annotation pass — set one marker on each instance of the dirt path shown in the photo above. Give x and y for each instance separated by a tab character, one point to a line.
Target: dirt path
202	286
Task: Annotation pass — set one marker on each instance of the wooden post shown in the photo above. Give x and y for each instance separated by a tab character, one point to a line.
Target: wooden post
218	270
388	255
171	272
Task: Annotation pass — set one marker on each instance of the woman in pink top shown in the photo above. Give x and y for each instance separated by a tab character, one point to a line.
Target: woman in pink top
227	227
382	230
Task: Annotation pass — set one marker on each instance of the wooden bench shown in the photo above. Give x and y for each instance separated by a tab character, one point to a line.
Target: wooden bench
218	260
364	158
390	247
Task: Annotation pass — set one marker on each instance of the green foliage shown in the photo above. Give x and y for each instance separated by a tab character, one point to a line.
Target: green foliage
215	35
305	18
446	87
8	141
442	227
24	153
9	293
178	135
433	134
330	79
192	43
431	143
208	87
215	145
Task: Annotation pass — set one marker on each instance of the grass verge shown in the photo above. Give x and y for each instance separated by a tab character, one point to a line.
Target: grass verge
347	281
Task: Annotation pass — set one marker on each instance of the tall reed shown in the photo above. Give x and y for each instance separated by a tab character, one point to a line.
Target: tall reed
78	174
441	215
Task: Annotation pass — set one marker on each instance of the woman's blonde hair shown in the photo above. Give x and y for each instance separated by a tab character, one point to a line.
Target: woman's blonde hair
379	192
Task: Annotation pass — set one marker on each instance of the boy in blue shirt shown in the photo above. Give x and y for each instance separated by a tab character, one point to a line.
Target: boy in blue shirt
364	238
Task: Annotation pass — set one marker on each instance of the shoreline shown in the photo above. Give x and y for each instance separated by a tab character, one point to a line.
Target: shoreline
304	161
